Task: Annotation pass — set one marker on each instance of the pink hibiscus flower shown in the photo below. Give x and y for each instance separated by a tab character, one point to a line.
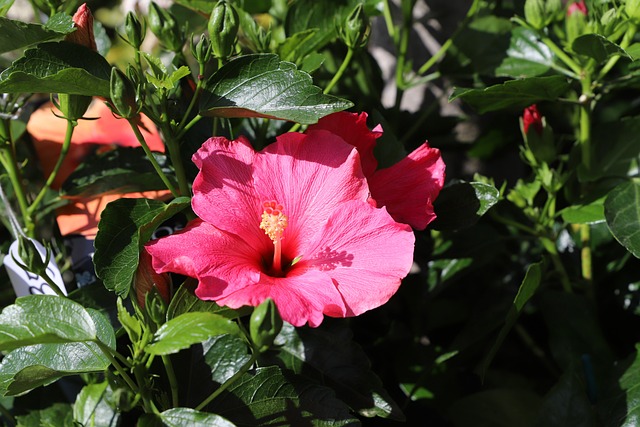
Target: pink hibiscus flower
292	223
408	188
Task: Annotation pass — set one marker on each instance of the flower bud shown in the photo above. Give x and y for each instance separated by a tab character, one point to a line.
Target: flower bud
31	258
577	7
356	29
83	35
632	8
135	30
532	117
223	29
576	21
164	25
265	325
537	135
123	95
73	107
201	51
146	279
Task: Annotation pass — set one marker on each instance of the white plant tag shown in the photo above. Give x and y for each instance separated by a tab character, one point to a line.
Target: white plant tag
27	283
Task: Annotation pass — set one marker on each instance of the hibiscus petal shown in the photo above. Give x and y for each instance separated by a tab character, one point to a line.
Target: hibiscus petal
300	299
409	187
352	128
204	252
309	175
228	271
364	251
223	192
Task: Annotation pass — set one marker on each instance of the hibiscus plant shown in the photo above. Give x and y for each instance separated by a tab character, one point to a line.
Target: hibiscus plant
226	212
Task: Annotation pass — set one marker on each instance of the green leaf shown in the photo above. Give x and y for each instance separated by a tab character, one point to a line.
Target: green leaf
574	330
629	383
29	367
267	397
91	407
188	329
187	417
513	93
37	319
58	67
5	5
527	289
24	34
615	146
125	226
592	213
461	204
597	47
331	357
185	301
567	403
296	47
622	210
121	170
527	56
56	415
263	86
224	355
495	408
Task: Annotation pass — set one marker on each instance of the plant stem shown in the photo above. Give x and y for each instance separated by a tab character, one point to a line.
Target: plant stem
402	47
340	72
388	19
173	382
176	160
229	382
585	142
71	124
11	167
626	41
108	352
152	159
7	415
562	55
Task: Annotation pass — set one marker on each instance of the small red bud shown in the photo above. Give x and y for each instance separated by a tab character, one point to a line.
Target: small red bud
146	278
577	7
530	117
83	35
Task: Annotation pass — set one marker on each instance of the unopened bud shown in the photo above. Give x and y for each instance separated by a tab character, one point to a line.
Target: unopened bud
73	107
356	29
223	29
265	325
164	25
123	95
538	136
135	30
201	51
83	35
31	258
576	21
147	279
578	7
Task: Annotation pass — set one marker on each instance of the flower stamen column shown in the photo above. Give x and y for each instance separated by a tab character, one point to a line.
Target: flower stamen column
274	223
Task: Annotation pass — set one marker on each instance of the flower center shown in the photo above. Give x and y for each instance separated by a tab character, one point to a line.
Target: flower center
274	223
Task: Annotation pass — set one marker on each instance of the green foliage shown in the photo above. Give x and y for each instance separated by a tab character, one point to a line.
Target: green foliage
264	86
121	237
622	210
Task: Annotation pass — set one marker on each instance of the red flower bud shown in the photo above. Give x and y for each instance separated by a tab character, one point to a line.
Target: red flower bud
577	7
146	278
83	35
530	117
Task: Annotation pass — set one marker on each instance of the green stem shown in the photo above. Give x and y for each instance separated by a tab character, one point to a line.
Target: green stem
192	103
585	257
388	19
585	121
550	247
109	353
7	415
562	55
229	382
189	125
173	382
152	159
626	41
403	46
340	72
71	124
176	160
13	172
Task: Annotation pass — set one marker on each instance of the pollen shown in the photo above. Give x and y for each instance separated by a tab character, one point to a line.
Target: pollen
274	221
